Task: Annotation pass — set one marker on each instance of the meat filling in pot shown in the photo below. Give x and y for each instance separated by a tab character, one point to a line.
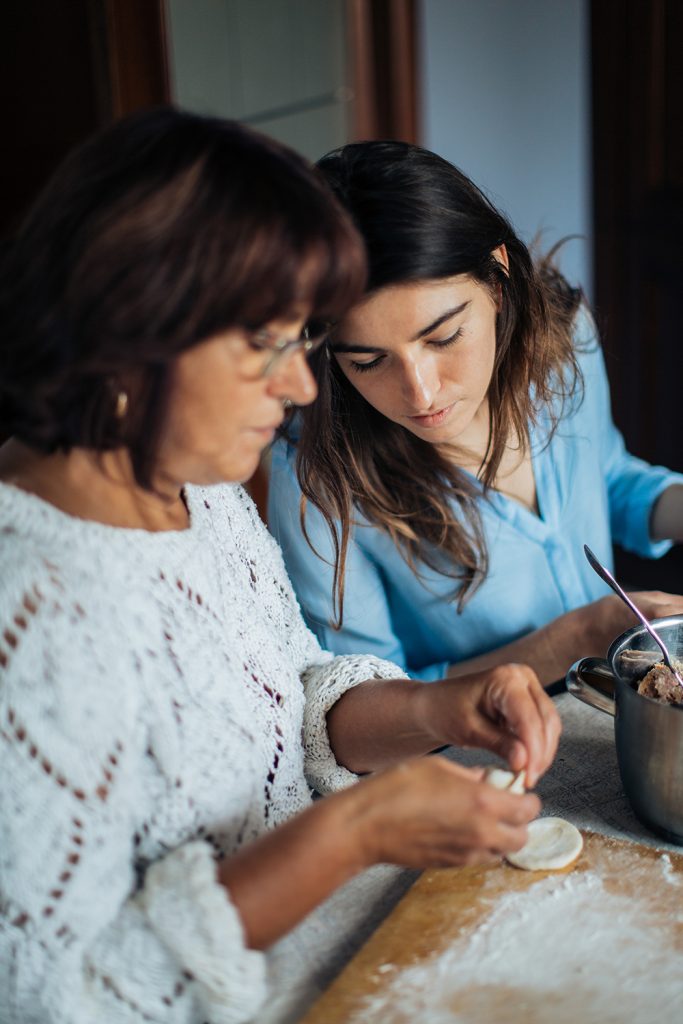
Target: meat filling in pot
661	684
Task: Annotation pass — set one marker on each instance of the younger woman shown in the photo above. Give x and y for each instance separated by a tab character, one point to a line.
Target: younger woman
461	450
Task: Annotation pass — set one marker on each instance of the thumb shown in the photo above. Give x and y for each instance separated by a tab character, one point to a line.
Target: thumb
500	741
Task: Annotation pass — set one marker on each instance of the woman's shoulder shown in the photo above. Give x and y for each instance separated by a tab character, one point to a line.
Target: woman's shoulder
66	631
241	533
234	519
57	558
584	328
35	572
67	664
283	454
582	410
588	348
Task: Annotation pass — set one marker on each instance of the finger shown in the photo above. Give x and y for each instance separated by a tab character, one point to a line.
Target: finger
539	730
525	808
510	838
552	729
500	837
458	856
480	857
511	831
438	762
495	808
490	736
552	724
522	716
514	809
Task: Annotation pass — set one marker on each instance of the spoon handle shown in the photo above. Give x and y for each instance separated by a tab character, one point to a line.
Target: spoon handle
609	579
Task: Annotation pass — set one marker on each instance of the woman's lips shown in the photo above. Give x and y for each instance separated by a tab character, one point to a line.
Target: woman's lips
432	419
267	432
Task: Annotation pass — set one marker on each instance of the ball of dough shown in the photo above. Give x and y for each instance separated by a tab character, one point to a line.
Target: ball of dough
502	779
553	844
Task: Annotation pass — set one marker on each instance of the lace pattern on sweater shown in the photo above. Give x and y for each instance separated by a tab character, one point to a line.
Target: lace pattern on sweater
153	718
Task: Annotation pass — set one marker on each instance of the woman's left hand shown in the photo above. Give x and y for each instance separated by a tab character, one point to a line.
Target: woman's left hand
503	709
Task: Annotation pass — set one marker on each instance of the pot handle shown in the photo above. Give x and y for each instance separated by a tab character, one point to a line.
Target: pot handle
600	692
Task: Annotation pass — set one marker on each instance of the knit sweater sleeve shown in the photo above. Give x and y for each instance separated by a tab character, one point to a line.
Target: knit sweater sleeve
325	678
86	933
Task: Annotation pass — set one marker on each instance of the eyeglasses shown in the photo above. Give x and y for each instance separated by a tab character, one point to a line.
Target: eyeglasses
270	350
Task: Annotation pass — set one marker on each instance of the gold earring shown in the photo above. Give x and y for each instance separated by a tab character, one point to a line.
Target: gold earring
121	405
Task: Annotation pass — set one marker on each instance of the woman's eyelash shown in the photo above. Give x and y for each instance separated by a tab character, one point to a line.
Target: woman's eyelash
440	343
364	367
445	342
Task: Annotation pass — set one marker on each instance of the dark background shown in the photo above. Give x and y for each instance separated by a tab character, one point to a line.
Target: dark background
71	67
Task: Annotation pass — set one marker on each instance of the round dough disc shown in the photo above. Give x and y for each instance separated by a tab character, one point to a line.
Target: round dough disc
553	844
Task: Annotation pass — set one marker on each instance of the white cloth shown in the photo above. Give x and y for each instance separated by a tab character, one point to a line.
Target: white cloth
161	704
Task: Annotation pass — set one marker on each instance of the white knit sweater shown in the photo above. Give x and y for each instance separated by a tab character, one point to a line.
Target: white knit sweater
161	704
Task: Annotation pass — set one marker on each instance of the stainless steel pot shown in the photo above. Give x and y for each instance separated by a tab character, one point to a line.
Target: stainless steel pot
649	735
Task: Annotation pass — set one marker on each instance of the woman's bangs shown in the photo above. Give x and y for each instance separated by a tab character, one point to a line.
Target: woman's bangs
317	273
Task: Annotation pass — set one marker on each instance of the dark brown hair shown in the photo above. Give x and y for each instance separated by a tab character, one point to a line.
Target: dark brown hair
421	220
156	234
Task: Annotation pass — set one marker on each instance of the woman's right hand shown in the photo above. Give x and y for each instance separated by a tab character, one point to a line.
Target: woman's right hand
604	620
430	812
423	813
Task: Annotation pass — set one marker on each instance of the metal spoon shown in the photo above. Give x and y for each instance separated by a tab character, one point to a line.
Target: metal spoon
609	579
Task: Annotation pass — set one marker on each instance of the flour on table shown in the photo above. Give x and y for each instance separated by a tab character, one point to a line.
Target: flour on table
570	948
668	870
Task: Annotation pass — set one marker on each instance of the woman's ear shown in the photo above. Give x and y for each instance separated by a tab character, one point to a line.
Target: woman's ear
500	255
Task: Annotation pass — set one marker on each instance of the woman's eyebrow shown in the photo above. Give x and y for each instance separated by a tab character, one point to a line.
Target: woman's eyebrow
441	320
352	346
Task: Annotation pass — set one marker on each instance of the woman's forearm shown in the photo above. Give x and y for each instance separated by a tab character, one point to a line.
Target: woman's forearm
667	515
280	877
380	723
549	651
583	632
424	812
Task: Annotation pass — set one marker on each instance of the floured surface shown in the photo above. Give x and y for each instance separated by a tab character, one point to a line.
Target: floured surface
489	945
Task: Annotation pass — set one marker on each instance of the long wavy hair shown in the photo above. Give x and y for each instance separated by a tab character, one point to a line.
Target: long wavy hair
422	219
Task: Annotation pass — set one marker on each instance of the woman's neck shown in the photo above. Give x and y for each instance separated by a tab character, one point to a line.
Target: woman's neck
97	486
470	449
515	475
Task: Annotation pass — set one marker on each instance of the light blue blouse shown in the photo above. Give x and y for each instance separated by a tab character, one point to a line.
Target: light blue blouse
589	491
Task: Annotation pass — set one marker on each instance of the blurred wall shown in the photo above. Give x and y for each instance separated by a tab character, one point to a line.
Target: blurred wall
279	65
505	96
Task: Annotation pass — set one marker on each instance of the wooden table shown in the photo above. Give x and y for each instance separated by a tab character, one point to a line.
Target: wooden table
583	785
444	909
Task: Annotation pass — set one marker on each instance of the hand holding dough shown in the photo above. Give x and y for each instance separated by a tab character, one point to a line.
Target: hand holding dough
500	778
553	843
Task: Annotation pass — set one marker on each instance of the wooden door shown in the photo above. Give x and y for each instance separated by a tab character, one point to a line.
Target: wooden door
637	61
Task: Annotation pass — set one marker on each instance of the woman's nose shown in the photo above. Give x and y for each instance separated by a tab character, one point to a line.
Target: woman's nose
420	383
291	378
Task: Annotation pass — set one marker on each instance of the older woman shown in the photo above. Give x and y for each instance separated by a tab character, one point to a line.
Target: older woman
164	710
